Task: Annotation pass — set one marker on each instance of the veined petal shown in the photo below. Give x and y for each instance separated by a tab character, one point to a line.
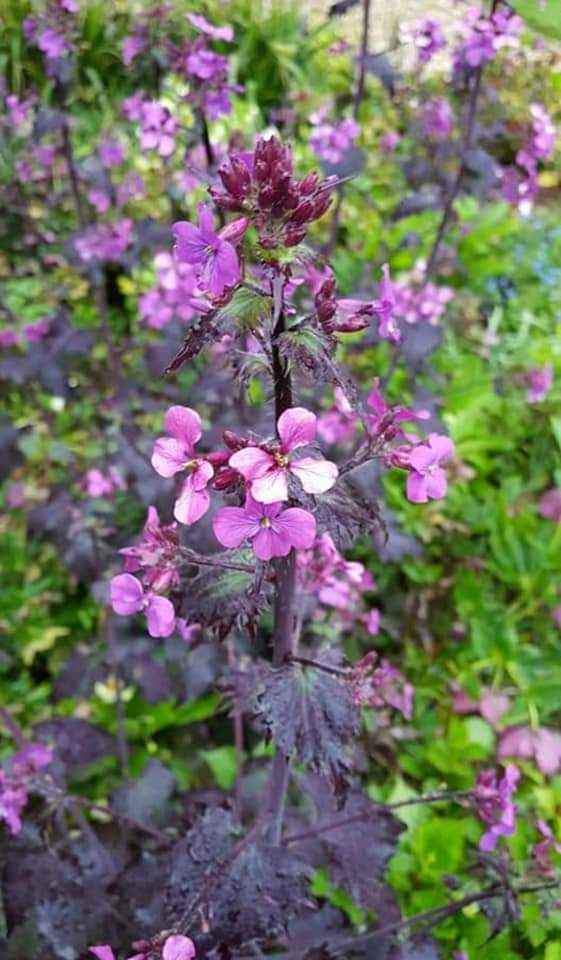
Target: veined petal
126	593
423	457
298	527
184	424
269	543
316	476
296	427
190	245
201	476
206	222
221	270
271	488
233	525
191	504
170	456
251	462
160	617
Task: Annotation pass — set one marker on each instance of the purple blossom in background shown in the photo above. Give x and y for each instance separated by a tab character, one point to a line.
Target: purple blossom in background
106	241
176	453
132	46
384	308
381	686
15	782
550	504
539	381
484	36
201	24
425	303
541	851
131	107
205	64
493	800
212	254
155	556
128	597
8	338
339	423
52	44
267	470
331	141
427	479
541	745
519	184
389	141
100	200
337	583
491	705
157	128
111	152
437	119
428	39
18	110
101	485
176	294
273	531
35	332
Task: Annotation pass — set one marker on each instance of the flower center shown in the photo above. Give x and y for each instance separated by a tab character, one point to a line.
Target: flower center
281	459
190	465
265	522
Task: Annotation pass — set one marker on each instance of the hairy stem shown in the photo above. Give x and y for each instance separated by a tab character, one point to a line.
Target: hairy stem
285	569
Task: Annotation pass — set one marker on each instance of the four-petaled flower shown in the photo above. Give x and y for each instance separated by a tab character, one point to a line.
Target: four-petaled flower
128	597
494	804
273	531
176	453
267	470
213	254
427	480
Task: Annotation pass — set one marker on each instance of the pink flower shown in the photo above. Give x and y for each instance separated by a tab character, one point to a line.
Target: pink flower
372	621
131	47
100	200
494	805
205	64
98	484
128	597
339	422
211	253
52	44
177	453
111	152
201	24
437	119
389	141
541	850
267	470
155	554
550	504
539	381
178	947
158	128
381	686
542	745
273	531
384	308
14	784
427	480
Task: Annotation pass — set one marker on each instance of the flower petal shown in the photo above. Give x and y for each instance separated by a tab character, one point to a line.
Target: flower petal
184	424
126	593
160	617
270	543
271	488
251	462
416	487
190	245
316	476
296	428
221	270
442	446
201	476
191	504
103	952
422	457
436	484
178	947
233	525
170	456
298	527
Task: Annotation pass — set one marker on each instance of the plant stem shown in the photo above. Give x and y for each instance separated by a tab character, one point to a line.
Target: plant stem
285	568
309	662
359	94
237	722
205	137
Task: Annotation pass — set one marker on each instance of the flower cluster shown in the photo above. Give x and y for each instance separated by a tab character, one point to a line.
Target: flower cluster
539	381
99	485
52	30
261	185
154	557
175	295
493	801
437	119
421	303
335	315
337	583
331	141
484	36
16	781
519	182
157	128
104	241
381	685
428	38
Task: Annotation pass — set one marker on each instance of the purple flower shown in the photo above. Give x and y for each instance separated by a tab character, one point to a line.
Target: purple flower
541	850
339	422
100	200
35	332
494	805
389	141
155	554
273	531
18	110
52	44
381	686
111	152
539	381
437	119
131	47
429	39
158	128
427	480
176	453
213	255
131	107
14	782
128	597
541	745
201	24
550	504
384	308
8	338
106	241
205	64
178	947
331	141
267	470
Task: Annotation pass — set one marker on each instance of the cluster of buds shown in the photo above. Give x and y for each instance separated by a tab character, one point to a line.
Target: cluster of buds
339	316
262	186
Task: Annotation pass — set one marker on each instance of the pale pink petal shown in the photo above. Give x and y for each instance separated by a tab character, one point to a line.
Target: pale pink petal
178	947
233	525
126	593
201	476
184	424
442	446
422	457
516	742
170	456
269	543
102	952
252	462
160	617
191	504
271	488
416	488
316	476
296	428
436	483
298	526
548	751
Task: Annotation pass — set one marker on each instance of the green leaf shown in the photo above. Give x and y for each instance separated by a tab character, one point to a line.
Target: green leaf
545	18
222	761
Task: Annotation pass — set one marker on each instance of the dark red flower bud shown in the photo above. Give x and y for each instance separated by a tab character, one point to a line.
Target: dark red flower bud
225	478
292	236
218	458
233	441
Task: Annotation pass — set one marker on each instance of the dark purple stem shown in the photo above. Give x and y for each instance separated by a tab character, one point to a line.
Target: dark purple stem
205	136
285	569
